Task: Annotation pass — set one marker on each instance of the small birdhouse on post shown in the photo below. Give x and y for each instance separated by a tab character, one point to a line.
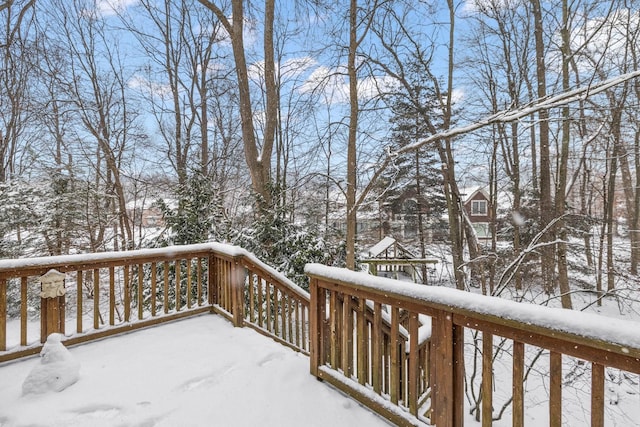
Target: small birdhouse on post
52	303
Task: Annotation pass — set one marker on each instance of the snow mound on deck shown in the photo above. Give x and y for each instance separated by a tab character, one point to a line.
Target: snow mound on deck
57	370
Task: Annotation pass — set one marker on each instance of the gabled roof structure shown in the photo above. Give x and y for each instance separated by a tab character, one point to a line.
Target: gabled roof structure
390	247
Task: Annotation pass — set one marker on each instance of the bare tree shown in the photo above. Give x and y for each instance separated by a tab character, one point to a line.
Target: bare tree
97	86
258	156
16	70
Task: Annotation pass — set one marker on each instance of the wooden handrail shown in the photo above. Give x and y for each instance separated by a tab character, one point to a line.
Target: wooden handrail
454	314
110	293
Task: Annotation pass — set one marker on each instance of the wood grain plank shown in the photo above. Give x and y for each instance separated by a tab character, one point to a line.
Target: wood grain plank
555	389
597	395
518	384
487	379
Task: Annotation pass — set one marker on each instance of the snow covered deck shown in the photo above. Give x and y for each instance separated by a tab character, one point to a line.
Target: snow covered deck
199	371
363	334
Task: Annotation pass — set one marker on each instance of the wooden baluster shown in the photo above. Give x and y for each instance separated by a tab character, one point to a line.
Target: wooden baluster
386	363
96	299
413	364
261	300
220	279
555	389
127	292
298	325
305	344
290	305
199	282
252	297
140	289
283	315
333	321
154	287
228	289
363	342
212	278
394	375
597	395
177	263
347	336
112	295
23	310
268	303
487	379
189	283
518	384
226	286
276	306
3	314
377	342
165	288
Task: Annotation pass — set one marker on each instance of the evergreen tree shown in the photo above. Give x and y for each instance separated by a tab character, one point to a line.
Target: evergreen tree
412	186
198	216
287	246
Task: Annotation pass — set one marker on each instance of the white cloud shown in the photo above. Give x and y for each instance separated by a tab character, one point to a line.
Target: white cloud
113	7
601	40
331	83
457	95
142	84
472	7
297	66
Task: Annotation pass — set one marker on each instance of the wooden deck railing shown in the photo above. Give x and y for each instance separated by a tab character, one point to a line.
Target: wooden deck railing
265	300
396	374
110	293
399	348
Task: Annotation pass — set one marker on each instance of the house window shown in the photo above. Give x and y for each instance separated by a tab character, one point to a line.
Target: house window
482	230
479	207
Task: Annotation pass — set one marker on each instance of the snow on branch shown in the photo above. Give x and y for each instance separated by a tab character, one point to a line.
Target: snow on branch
507	116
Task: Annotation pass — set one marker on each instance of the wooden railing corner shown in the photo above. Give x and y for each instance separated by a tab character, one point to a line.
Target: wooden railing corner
237	292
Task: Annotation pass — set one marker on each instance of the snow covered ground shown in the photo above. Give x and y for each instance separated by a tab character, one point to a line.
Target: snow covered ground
196	372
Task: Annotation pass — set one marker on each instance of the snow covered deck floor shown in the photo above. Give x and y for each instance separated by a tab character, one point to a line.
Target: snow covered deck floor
195	372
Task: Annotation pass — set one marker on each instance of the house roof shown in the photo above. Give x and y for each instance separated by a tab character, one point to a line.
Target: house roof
504	198
469	193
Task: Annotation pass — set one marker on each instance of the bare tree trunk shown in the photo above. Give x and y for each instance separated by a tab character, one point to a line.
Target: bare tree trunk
421	236
609	204
454	201
561	247
546	207
258	161
353	133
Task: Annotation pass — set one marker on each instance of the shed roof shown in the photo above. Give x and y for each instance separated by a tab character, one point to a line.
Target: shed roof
381	246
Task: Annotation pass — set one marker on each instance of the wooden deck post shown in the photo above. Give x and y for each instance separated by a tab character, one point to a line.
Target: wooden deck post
3	314
237	292
314	327
52	303
212	275
449	371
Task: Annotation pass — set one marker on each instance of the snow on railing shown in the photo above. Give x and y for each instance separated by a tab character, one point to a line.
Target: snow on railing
428	385
107	293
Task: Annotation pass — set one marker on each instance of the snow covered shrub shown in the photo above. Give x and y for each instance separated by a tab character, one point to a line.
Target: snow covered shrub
197	216
287	246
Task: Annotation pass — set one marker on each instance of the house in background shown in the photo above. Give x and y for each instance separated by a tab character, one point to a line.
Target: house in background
145	213
401	215
476	205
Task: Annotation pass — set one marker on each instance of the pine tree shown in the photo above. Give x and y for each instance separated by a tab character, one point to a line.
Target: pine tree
198	216
413	184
